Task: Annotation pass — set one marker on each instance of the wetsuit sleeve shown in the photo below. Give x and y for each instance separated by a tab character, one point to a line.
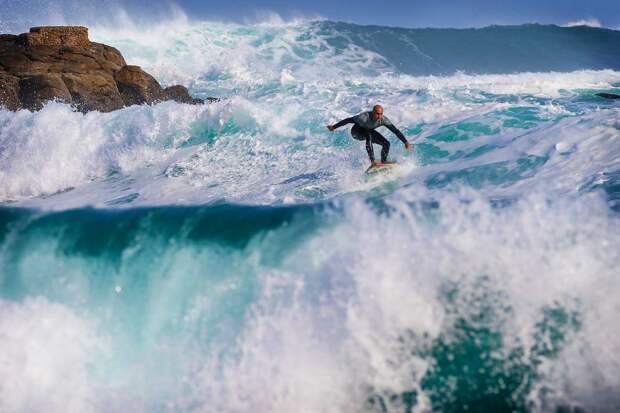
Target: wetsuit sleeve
344	122
396	132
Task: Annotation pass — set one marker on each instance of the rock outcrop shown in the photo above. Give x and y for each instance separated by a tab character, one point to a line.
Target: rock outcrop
60	63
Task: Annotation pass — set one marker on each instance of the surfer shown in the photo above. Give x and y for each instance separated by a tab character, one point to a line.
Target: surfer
364	127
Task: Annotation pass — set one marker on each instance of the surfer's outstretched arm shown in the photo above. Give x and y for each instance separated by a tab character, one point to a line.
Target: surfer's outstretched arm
341	123
398	133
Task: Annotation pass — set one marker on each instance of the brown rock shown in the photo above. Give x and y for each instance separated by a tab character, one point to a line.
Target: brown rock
137	86
56	36
93	92
180	94
9	91
35	90
69	61
59	62
15	62
7	38
108	56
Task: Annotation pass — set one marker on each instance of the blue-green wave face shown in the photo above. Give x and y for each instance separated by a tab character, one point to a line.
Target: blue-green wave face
494	49
235	257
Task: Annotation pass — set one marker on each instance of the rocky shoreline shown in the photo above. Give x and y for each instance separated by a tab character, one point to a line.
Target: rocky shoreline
61	63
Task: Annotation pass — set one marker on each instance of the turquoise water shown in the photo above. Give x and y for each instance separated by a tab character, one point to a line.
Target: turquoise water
234	257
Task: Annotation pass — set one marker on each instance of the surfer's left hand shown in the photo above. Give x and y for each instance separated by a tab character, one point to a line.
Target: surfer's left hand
408	146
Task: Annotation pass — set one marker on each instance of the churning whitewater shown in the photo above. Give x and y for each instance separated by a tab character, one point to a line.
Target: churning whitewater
234	256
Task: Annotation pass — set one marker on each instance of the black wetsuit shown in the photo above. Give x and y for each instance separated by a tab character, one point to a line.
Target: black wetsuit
364	130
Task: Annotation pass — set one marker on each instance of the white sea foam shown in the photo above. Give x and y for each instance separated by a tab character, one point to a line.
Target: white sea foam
350	313
46	356
275	148
591	22
266	142
57	148
214	56
346	314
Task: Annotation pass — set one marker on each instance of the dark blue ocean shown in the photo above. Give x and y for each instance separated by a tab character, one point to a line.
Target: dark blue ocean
234	257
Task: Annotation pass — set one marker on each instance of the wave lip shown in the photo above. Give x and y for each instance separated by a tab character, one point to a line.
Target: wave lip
418	52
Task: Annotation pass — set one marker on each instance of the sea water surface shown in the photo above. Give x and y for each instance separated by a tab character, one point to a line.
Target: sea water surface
234	257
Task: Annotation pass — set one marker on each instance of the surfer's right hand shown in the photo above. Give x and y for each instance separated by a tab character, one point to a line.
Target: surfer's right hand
330	127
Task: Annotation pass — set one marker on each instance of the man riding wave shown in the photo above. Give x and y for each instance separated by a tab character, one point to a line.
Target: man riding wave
364	127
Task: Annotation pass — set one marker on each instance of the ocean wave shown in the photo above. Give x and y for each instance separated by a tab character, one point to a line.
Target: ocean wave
204	51
271	146
234	256
341	315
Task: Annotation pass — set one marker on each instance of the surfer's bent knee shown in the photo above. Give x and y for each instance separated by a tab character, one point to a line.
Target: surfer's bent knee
359	133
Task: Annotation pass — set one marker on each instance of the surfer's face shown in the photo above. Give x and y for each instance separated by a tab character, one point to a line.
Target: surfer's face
377	113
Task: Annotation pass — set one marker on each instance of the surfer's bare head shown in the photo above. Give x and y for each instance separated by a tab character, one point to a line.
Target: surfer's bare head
377	112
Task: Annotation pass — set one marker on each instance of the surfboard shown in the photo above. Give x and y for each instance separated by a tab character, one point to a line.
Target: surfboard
381	167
